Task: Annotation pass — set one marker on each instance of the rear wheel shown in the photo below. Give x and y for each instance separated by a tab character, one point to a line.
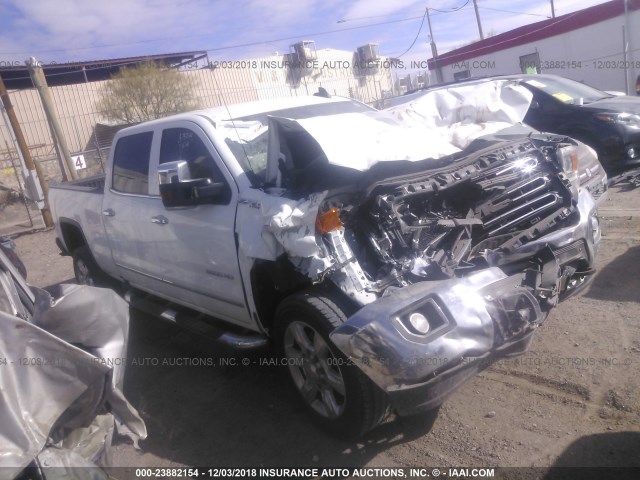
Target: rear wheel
86	269
339	396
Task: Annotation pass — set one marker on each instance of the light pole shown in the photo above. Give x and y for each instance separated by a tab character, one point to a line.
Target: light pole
475	6
434	50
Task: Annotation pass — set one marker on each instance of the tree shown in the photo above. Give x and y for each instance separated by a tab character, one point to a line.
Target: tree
146	92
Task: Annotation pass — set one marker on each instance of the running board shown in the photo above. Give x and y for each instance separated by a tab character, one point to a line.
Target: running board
195	322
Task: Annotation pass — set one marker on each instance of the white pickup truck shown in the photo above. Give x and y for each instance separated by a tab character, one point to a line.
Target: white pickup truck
385	264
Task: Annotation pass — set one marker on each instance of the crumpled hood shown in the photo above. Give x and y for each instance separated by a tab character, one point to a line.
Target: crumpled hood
437	124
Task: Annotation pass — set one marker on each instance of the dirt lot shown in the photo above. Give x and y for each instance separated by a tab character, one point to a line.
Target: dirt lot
573	400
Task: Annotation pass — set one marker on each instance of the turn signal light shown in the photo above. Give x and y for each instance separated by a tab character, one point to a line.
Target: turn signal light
328	221
568	157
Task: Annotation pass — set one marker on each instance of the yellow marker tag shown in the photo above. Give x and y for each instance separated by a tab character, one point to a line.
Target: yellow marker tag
563	97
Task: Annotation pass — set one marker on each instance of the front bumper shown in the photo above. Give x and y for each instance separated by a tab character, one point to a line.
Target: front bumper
616	148
473	320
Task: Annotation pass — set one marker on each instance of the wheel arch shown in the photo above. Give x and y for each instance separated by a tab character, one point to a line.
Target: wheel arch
72	235
273	281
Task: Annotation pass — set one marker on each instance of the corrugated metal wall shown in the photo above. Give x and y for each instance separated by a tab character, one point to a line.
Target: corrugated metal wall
87	132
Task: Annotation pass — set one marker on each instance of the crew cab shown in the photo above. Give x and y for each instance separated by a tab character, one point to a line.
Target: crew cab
386	262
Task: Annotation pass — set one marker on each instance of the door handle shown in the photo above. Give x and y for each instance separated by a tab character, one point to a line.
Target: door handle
109	212
160	220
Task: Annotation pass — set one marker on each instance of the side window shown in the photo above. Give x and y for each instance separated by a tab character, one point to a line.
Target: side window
131	164
184	144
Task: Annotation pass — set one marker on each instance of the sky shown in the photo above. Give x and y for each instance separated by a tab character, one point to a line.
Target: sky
77	30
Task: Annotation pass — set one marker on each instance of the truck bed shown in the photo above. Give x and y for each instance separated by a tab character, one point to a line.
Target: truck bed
89	185
78	203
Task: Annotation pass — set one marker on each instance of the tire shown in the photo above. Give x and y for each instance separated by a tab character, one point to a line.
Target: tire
340	398
86	269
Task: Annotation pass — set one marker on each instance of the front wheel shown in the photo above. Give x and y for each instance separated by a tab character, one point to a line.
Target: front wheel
339	396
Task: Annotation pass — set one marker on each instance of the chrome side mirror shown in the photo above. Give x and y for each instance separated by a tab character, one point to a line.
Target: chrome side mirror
178	189
173	172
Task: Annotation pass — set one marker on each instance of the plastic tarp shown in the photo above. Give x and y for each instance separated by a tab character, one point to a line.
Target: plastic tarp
61	376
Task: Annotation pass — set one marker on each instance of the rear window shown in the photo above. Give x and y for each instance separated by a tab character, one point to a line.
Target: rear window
131	164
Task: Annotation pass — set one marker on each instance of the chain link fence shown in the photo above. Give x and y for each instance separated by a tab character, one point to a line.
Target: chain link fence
89	134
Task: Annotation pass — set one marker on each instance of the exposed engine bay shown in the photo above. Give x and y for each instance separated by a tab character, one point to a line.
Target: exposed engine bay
448	222
378	206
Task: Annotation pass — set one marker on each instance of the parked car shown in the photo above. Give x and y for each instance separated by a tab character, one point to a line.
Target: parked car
472	102
60	397
385	264
606	121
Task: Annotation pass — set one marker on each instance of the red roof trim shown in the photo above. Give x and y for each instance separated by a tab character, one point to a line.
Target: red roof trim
537	31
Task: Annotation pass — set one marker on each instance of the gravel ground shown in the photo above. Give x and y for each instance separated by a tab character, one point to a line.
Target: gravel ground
572	400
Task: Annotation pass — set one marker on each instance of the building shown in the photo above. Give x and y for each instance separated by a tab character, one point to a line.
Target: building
76	90
16	75
586	45
361	74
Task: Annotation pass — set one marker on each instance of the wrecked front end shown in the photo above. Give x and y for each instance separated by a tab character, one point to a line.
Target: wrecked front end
456	266
452	232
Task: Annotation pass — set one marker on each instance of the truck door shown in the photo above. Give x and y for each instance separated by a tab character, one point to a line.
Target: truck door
196	245
126	201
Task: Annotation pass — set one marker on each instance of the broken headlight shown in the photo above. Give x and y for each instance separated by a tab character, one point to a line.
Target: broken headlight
568	159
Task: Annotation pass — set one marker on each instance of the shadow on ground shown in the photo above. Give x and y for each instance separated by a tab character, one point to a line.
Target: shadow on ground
612	282
599	457
233	415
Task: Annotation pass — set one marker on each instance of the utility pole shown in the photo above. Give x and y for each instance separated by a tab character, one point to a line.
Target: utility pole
627	34
434	50
475	6
553	10
34	174
39	80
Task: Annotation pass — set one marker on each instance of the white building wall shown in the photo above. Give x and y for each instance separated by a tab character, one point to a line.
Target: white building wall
592	54
334	70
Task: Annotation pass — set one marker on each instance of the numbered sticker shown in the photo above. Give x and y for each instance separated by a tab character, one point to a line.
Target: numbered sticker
79	162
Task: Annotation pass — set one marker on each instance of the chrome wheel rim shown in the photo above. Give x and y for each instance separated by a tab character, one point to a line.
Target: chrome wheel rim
315	370
83	273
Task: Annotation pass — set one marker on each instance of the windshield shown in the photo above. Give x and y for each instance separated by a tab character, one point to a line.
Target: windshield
249	140
567	91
